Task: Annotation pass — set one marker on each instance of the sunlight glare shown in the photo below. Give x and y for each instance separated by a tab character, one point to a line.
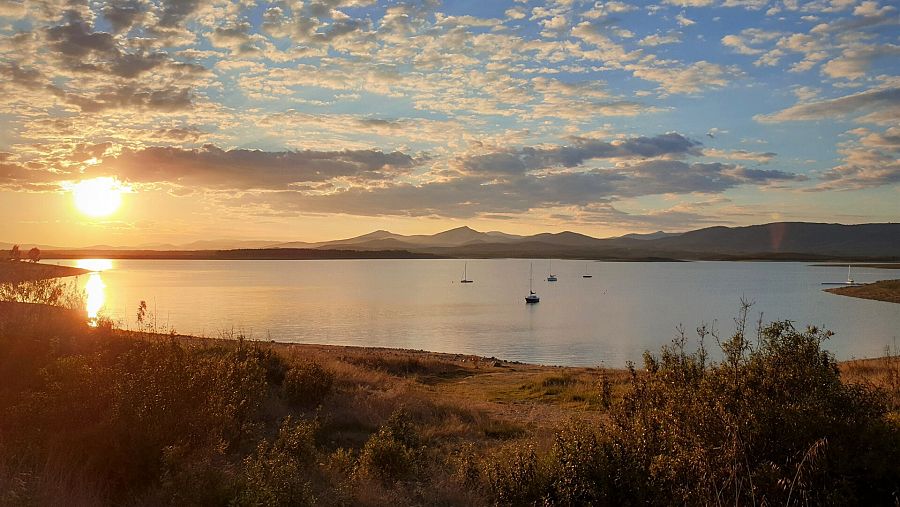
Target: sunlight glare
98	197
96	297
94	264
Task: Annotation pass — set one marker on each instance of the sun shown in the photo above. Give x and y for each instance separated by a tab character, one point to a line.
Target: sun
98	197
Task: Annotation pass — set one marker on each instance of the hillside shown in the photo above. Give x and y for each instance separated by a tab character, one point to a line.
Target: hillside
774	241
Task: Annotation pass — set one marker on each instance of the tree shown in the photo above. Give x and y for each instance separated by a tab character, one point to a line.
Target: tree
34	254
15	254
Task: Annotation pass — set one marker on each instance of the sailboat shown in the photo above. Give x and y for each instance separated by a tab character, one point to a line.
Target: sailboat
465	278
586	274
849	283
531	297
552	277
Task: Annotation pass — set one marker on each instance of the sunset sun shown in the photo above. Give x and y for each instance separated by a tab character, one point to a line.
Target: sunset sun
98	197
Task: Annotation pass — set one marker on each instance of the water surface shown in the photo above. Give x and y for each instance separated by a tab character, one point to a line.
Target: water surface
609	319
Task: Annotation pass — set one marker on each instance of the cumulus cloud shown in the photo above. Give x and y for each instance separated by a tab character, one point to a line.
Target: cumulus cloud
871	160
855	62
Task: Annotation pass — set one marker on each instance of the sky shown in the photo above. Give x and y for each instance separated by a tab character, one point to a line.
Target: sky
315	120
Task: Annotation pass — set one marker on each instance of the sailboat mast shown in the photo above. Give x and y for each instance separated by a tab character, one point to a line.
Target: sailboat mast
531	278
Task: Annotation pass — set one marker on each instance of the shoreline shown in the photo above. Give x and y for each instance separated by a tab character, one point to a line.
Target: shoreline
861	265
887	291
21	271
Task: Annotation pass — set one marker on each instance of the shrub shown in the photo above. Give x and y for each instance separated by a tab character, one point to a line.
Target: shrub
515	475
308	383
772	423
278	473
393	452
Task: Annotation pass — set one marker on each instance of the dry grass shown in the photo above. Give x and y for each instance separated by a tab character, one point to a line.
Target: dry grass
11	272
885	290
882	372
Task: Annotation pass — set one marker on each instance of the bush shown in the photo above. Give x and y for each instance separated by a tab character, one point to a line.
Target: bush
515	476
116	410
278	473
308	383
772	423
393	452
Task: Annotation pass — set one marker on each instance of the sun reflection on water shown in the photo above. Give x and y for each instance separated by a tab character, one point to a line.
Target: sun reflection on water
96	296
94	264
95	288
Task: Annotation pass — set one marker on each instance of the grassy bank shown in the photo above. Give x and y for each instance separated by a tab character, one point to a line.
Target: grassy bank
101	416
884	290
98	416
19	271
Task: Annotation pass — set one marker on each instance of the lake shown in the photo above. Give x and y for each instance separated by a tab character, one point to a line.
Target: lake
609	319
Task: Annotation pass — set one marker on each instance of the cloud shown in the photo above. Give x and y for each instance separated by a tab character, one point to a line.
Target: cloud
213	167
855	62
872	160
684	78
122	14
471	196
33	177
528	159
661	39
762	158
881	104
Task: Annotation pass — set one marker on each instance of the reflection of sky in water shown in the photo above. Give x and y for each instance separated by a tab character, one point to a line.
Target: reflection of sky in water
625	309
95	288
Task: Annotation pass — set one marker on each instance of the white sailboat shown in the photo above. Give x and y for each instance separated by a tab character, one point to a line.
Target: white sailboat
849	283
552	277
465	278
586	274
531	297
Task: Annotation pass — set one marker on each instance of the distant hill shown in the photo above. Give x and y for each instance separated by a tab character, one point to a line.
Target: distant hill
774	241
652	235
865	240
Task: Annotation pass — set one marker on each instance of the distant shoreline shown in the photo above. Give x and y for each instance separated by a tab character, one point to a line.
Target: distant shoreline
894	265
335	254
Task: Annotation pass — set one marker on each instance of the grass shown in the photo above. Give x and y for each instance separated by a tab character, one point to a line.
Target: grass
98	415
22	271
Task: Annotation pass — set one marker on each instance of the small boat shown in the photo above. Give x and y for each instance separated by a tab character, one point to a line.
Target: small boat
849	283
531	297
552	277
465	278
586	274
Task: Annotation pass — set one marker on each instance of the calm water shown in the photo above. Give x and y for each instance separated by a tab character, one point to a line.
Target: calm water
420	304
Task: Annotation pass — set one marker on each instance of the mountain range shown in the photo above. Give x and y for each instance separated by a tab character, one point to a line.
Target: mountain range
780	240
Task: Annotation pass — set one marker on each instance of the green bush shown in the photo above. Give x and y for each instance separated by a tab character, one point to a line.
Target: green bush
308	383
